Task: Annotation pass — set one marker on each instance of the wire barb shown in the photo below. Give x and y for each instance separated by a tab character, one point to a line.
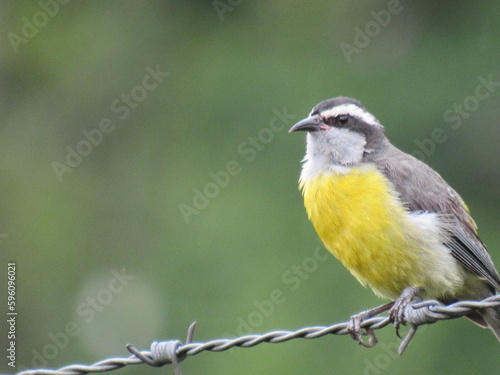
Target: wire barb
174	351
164	352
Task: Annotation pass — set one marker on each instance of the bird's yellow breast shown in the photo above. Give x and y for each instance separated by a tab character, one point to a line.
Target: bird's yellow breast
361	221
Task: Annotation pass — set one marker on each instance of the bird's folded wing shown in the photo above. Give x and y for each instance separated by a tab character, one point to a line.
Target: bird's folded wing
423	190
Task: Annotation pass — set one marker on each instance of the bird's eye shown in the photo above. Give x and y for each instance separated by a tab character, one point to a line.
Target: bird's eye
342	119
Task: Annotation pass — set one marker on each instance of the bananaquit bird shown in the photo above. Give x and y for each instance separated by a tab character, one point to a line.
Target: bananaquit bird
391	220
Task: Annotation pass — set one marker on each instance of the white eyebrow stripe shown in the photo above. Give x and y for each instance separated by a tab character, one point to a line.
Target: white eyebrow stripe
353	110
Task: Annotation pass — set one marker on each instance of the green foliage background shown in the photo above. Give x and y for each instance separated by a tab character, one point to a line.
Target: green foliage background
227	73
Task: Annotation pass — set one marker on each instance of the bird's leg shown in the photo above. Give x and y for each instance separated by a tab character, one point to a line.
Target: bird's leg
397	312
354	325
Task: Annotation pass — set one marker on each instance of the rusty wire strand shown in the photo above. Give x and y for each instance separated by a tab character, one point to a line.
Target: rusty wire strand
174	351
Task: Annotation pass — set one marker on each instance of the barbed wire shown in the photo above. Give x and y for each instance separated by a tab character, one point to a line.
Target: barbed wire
174	351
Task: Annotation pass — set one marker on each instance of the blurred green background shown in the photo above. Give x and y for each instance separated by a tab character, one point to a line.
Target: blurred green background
171	100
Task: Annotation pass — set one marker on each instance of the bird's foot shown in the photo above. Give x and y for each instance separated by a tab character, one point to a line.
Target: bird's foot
397	312
354	325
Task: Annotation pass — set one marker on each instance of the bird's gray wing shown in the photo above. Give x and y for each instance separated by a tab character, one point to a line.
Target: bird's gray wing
423	189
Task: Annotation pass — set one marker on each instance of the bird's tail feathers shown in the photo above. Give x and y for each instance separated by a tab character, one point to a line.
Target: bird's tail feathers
492	318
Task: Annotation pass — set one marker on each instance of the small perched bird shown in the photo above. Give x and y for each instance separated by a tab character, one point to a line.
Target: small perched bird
391	220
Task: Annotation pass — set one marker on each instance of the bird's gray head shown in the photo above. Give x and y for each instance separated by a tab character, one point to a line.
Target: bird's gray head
340	132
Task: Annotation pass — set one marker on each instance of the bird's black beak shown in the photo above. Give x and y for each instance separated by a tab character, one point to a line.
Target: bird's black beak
310	124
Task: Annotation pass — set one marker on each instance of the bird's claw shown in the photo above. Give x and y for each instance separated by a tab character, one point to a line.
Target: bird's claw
396	315
397	312
354	325
354	329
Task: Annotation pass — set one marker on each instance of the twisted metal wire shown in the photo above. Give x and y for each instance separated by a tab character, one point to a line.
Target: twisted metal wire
174	351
